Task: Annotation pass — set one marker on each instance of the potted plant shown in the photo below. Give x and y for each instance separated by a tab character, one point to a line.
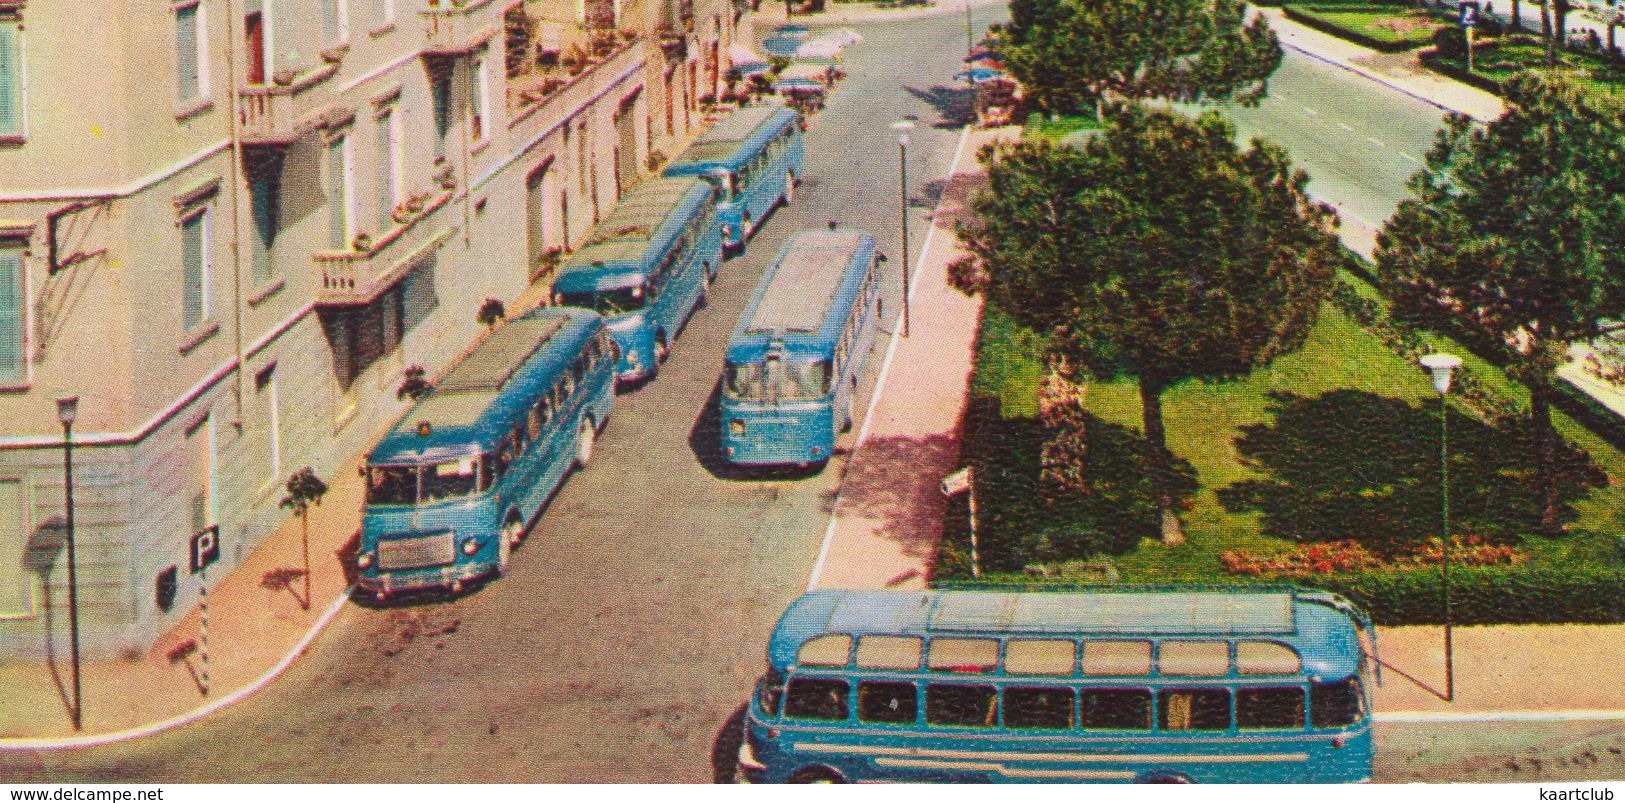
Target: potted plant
491	313
414	384
361	242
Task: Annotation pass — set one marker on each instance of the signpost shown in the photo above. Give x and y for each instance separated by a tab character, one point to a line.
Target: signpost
1468	21
953	485
205	550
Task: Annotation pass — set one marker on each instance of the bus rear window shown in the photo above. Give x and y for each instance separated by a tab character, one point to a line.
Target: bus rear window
777	380
1275	707
1117	709
1194	709
817	698
392	485
887	702
1039	707
1333	705
960	705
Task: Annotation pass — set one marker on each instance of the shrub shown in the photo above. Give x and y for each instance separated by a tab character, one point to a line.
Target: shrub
1450	42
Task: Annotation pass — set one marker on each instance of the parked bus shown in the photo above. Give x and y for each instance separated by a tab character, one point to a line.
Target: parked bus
453	485
646	269
792	366
754	158
1151	685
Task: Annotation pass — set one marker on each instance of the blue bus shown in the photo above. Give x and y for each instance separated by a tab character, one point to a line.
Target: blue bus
646	269
793	364
1150	685
453	485
754	158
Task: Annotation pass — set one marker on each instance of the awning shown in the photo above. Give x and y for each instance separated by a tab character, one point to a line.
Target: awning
742	55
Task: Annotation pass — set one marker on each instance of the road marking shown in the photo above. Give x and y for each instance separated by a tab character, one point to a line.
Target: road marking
1409	158
1375	141
1344	126
196	714
1311	112
885	368
1499	716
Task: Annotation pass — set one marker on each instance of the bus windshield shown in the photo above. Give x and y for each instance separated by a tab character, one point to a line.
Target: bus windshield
777	380
607	302
421	485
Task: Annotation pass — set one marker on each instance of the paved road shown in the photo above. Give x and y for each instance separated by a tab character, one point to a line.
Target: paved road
636	617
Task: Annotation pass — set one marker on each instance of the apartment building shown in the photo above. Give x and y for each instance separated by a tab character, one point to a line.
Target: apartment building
229	226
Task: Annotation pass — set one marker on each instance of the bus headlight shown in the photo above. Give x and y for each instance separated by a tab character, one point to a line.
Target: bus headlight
364	560
736	427
558	298
470	546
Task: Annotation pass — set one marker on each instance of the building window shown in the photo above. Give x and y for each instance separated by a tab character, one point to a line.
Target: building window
191	77
360	336
338	193
265	386
16	586
389	170
477	107
440	89
335	21
11	82
194	270
13	341
262	192
200	438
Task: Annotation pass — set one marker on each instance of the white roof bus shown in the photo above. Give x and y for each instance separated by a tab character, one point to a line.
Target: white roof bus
1151	685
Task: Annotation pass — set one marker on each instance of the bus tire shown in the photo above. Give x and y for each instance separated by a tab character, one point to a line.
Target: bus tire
846	426
512	533
584	441
816	775
789	196
1164	776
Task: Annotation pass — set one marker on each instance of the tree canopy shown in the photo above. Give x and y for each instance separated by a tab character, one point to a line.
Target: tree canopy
1161	251
1516	232
1069	54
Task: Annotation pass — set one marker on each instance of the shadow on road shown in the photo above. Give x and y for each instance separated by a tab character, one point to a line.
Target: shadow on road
725	749
955	105
894	483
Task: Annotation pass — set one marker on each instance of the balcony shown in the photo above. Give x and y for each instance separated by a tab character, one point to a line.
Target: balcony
458	27
586	70
277	114
348	278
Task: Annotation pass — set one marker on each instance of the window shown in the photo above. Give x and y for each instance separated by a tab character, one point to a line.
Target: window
13	343
12	113
392	485
190	76
194	270
817	698
338	194
887	702
1040	657
1333	705
1117	709
1277	707
961	706
1117	657
827	650
265	385
964	654
477	107
1192	658
388	169
335	22
440	89
1194	709
384	12
1038	707
889	652
16	586
263	202
449	480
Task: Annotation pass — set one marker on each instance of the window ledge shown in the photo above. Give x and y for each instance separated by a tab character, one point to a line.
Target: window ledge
16	387
382	30
480	147
13	139
192	108
261	296
197	336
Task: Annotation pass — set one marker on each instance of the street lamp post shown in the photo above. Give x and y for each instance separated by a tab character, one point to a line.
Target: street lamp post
969	46
67	409
902	127
1440	367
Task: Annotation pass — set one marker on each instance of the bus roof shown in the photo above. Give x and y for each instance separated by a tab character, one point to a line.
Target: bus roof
624	246
731	142
471	408
808	291
1323	633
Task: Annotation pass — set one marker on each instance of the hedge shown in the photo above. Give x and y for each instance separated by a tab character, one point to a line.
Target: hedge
1433	60
1324	26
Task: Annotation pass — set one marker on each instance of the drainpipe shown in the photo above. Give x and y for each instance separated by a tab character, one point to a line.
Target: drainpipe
235	179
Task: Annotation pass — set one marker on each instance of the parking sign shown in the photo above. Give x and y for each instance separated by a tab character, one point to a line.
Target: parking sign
1469	13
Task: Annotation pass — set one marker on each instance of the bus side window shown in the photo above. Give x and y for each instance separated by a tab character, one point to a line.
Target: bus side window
1333	705
1045	707
544	410
1271	707
1194	709
817	698
1117	709
521	440
961	705
534	421
887	701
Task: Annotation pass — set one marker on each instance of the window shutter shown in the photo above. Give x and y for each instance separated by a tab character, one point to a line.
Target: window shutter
262	196
192	273
337	197
386	172
11	316
11	82
186	64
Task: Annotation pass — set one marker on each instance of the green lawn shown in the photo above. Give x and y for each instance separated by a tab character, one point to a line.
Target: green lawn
1590	71
1040	126
1342	374
1389	24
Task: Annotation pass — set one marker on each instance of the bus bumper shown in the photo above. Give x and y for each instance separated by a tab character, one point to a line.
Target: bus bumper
387	584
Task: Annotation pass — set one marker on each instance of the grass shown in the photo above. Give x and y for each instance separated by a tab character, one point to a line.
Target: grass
1056	131
1389	24
1591	72
1204	422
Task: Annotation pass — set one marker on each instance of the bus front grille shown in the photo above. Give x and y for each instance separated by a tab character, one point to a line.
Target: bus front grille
416	552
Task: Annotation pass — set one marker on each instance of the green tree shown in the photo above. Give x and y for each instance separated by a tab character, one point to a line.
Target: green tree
1516	232
304	490
1161	251
491	313
1071	54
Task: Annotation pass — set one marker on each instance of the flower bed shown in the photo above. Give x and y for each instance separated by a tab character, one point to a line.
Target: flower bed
1352	556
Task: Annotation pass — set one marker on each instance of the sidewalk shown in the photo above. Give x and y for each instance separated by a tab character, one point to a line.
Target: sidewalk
771	13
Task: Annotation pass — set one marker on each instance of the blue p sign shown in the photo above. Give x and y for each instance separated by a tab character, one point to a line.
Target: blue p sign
1469	13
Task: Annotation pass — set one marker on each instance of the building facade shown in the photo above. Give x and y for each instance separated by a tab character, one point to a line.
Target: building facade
230	226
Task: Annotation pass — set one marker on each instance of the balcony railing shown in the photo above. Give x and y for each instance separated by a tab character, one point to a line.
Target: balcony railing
558	90
346	278
459	27
278	114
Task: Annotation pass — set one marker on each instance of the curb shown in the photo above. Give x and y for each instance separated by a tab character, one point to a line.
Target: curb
1577	715
71	742
1379	79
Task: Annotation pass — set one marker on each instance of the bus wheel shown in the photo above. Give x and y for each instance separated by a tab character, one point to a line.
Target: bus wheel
817	775
789	188
584	442
847	425
662	348
1164	776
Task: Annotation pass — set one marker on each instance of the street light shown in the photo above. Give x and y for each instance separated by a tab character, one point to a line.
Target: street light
67	409
902	127
1440	367
969	47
